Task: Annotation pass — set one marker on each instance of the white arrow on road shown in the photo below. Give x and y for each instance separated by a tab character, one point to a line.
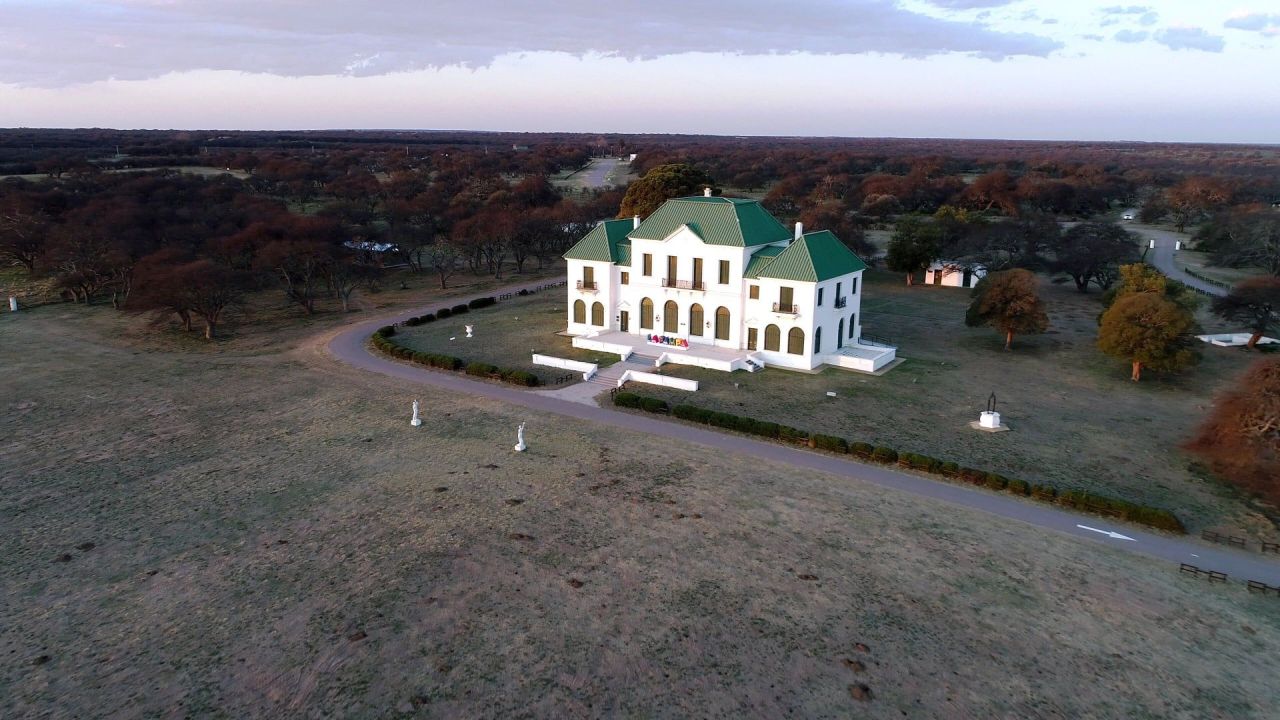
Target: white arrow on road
1112	535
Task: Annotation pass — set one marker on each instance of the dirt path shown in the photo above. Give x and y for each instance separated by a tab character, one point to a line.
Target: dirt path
350	346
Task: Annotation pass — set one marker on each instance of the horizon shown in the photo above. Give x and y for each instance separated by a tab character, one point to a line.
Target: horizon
1021	70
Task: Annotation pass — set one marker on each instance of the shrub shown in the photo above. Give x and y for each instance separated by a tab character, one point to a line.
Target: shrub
626	400
429	317
830	443
972	475
995	481
861	449
654	405
949	469
1019	487
413	322
522	292
884	455
482	369
481	303
690	412
521	377
443	313
790	434
459	309
1044	492
386	331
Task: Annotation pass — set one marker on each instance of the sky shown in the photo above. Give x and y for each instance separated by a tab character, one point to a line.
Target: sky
1178	70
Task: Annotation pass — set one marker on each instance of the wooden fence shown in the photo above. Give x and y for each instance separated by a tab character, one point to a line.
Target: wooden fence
1218	537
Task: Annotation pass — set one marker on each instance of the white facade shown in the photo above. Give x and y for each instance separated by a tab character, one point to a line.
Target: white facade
694	294
953	274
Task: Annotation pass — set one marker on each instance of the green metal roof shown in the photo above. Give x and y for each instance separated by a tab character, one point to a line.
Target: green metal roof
603	243
735	222
760	260
814	257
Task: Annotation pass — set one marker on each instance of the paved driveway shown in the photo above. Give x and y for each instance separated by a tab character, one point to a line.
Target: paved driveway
350	346
1162	257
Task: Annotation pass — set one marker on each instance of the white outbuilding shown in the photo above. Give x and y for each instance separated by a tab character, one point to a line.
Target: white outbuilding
950	273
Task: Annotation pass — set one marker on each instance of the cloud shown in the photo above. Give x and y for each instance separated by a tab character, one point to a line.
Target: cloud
1116	14
1267	24
1189	38
61	42
1125	10
969	4
1131	36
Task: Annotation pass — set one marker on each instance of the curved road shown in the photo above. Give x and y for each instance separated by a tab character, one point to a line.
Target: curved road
1162	257
350	346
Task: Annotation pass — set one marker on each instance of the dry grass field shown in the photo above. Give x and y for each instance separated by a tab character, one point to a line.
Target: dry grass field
256	531
506	335
1078	422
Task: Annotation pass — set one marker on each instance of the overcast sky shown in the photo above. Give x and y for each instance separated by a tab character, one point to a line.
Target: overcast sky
1188	70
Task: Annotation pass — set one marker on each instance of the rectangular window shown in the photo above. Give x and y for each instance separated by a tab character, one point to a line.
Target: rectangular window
588	277
647	269
724	272
753	292
853	325
785	298
838	290
697	273
673	263
820	296
853	290
626	277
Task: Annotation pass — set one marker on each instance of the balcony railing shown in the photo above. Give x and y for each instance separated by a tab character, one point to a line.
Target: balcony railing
841	302
684	284
791	309
588	285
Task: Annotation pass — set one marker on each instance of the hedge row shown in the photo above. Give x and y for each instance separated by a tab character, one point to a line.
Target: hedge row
382	341
1077	499
739	423
442	313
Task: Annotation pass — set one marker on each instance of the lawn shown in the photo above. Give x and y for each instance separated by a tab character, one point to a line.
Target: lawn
1198	263
1077	420
258	532
506	335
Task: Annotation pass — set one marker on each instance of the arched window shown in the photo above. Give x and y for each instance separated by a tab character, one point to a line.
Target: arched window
840	334
817	340
853	325
795	341
722	323
597	314
671	317
695	319
772	338
646	314
579	311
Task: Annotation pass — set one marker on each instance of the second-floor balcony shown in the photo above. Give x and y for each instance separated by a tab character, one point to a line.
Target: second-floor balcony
841	302
683	284
588	285
789	309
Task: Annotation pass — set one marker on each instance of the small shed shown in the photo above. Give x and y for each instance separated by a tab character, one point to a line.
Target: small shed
950	273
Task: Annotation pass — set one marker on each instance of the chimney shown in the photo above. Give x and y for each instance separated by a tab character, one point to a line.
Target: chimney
799	230
706	192
635	221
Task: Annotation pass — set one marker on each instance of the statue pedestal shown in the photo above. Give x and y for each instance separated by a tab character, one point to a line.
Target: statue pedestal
520	447
416	422
989	421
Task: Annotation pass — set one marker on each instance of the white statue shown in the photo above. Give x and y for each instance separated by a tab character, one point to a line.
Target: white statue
520	446
469	330
416	421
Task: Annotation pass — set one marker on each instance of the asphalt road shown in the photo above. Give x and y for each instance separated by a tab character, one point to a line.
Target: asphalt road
350	346
1162	257
596	175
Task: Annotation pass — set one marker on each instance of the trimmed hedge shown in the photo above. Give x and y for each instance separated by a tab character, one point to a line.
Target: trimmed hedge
459	309
481	303
884	455
386	346
385	331
443	313
1076	499
829	442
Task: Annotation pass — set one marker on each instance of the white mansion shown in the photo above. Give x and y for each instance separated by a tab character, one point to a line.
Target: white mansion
719	282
